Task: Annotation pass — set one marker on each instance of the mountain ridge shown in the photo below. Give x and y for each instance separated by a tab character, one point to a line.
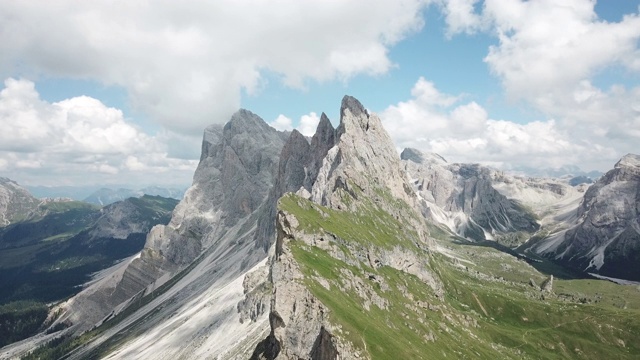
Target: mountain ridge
287	247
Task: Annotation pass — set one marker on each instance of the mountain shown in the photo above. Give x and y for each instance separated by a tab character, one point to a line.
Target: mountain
49	258
16	203
212	232
292	248
72	192
463	197
603	235
106	196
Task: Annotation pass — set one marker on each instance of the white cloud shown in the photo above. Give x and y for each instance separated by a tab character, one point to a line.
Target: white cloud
282	123
547	48
548	54
463	132
79	138
460	16
184	63
306	125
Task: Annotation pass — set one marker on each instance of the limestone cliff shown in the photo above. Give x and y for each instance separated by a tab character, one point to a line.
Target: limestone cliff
463	197
606	235
220	210
351	176
16	203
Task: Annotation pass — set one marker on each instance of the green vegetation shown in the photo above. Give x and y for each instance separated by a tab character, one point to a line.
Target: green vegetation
369	225
489	310
20	319
48	259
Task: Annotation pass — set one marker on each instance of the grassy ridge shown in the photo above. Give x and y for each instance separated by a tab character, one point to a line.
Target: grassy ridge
489	310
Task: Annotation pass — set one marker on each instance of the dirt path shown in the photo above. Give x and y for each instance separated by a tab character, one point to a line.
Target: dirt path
479	303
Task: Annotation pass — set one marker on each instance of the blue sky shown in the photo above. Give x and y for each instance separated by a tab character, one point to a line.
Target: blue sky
100	91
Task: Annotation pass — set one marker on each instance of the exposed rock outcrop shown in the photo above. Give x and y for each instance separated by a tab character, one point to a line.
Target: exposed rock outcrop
16	203
365	155
606	235
462	197
352	169
230	191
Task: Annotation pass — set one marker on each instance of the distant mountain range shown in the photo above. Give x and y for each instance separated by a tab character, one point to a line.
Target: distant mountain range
335	247
102	196
49	248
106	196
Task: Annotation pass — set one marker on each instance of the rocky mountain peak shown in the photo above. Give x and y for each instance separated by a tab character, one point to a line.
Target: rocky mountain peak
419	157
353	105
16	203
364	156
629	161
245	121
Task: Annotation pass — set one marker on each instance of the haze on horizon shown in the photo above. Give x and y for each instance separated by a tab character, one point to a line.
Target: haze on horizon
106	92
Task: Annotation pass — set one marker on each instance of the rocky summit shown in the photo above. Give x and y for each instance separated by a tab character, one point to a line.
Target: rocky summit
16	203
604	236
337	247
462	197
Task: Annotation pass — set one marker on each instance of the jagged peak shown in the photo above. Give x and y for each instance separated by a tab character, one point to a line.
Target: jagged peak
295	137
353	105
629	161
324	123
419	157
325	132
244	120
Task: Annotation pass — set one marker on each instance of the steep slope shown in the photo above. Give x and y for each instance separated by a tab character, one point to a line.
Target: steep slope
463	197
605	236
215	221
353	221
355	274
48	259
16	203
356	270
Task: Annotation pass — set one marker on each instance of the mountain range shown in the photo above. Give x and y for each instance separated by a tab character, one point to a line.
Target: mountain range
335	247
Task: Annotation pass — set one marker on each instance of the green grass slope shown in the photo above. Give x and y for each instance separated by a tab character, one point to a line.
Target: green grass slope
488	310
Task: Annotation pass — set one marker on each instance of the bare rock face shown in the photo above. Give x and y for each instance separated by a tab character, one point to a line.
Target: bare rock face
230	191
365	155
354	166
120	219
547	285
462	196
16	203
606	238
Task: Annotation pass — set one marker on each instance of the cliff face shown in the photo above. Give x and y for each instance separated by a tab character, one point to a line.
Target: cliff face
217	218
16	203
341	181
606	235
463	197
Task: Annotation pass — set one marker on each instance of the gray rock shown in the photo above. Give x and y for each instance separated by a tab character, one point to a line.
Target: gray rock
218	214
547	285
463	197
16	203
606	238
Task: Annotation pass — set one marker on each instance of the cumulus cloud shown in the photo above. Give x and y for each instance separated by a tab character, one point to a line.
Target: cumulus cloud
547	54
185	63
82	139
306	125
464	132
460	16
546	48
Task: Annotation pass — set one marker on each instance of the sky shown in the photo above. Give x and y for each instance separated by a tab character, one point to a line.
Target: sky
118	92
